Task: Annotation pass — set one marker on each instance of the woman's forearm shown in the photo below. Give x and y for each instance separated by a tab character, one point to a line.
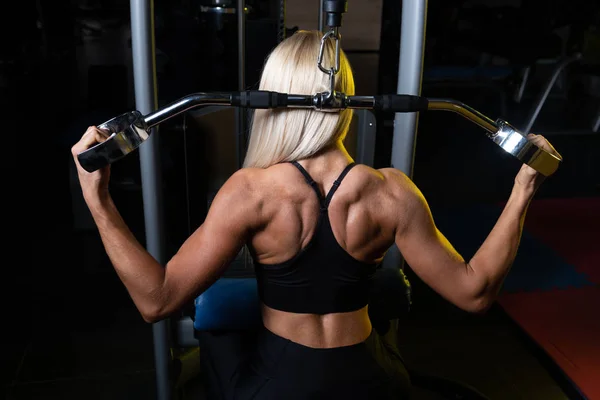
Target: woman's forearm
141	274
493	260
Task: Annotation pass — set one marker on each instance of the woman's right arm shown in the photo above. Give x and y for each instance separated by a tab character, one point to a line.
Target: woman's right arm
473	285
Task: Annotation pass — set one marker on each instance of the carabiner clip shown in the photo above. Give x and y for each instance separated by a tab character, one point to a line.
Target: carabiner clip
333	34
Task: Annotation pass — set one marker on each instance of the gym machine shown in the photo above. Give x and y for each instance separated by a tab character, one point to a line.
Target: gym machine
130	130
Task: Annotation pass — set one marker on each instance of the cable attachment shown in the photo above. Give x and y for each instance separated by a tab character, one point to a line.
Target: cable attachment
335	36
334	10
332	71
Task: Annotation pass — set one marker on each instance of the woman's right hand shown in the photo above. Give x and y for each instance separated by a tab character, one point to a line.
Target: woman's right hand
528	178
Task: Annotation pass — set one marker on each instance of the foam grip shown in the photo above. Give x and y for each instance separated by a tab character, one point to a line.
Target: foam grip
400	103
259	99
230	304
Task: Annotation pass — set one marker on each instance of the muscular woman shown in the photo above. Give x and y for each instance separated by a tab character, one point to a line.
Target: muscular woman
317	225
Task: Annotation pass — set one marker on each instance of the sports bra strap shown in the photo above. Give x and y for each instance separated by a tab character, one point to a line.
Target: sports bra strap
337	183
310	181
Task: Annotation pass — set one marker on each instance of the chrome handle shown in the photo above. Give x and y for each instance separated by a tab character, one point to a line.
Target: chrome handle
130	130
504	135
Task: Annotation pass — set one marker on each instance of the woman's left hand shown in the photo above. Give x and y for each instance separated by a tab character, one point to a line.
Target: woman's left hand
94	185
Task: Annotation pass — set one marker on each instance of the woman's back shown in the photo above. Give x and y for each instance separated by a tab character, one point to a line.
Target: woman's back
361	223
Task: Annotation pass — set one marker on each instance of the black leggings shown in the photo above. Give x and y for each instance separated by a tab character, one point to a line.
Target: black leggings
262	365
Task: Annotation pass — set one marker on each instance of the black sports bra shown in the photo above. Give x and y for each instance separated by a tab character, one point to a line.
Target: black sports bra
323	278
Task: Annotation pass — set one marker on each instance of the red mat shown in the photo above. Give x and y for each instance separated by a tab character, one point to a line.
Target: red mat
566	323
571	227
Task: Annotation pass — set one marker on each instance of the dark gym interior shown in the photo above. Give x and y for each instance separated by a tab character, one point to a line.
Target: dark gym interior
70	328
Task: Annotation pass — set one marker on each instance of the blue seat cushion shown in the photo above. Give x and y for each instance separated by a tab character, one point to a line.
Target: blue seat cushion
229	304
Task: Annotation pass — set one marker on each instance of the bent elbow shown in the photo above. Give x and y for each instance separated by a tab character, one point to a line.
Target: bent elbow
153	315
150	318
479	297
154	306
479	306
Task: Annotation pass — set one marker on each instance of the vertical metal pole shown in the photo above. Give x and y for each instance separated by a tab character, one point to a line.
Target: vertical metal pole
240	112
144	73
410	75
321	20
282	18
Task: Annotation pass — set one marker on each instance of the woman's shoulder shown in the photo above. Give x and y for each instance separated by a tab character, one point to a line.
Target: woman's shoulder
402	191
394	188
384	180
260	182
259	177
275	180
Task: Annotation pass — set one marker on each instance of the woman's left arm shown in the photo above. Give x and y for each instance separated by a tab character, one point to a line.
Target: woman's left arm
159	291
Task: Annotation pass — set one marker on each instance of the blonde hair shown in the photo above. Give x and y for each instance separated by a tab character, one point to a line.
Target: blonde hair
281	135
